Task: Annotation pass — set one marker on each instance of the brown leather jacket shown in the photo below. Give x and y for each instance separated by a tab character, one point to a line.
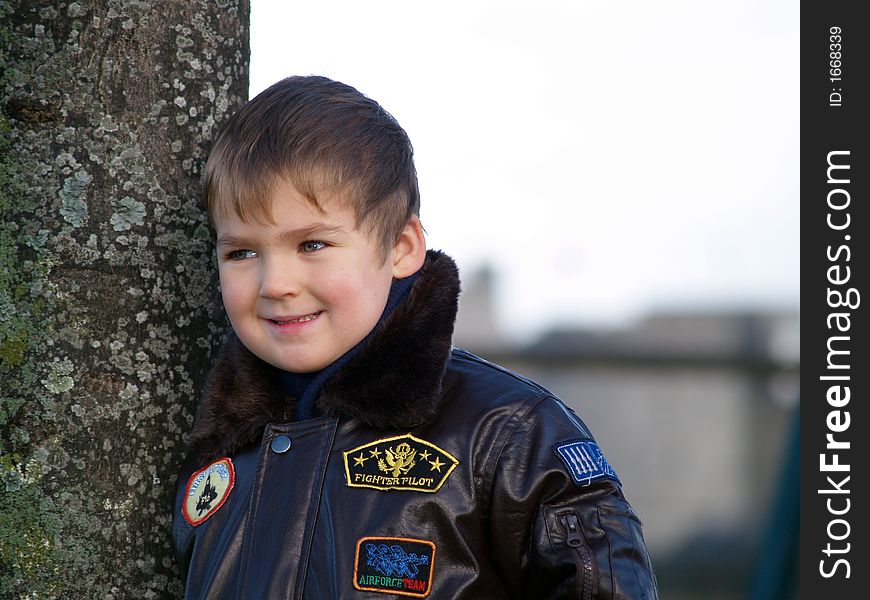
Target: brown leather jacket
431	473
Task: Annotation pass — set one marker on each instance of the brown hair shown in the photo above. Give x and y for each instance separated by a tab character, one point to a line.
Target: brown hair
320	135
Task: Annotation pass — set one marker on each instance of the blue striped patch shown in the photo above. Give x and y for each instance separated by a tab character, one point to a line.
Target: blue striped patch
585	461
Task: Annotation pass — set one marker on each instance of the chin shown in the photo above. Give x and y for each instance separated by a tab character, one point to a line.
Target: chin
301	366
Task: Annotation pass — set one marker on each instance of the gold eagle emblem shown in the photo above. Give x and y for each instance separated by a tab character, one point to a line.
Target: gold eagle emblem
399	460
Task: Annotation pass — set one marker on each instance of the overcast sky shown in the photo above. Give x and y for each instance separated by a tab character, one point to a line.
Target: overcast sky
608	159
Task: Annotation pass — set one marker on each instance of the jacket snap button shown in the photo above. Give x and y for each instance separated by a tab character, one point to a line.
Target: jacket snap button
281	444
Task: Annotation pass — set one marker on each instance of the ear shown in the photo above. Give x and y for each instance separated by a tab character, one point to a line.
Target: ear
410	250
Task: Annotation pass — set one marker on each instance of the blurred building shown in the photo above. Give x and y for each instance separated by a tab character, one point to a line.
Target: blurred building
692	410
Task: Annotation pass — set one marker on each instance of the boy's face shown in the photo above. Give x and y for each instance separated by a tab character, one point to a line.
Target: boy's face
302	291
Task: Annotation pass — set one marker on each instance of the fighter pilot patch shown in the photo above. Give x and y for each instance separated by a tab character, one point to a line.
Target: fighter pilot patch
398	463
207	490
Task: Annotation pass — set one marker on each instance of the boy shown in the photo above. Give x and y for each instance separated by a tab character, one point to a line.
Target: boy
344	449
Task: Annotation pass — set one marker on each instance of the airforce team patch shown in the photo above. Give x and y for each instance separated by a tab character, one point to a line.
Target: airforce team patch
207	490
585	461
398	463
392	565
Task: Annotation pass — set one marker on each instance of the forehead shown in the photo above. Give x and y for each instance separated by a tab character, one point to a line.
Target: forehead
282	204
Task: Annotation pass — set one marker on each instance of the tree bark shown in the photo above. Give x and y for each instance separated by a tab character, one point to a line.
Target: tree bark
109	311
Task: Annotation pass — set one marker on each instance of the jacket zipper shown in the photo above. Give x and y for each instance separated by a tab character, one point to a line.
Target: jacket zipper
585	564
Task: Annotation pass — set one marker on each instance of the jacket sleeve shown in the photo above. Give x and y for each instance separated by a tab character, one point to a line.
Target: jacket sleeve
560	524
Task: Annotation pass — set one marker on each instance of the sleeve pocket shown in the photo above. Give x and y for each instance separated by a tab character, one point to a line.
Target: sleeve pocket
630	569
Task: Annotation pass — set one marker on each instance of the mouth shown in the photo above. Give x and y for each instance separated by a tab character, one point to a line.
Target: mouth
301	319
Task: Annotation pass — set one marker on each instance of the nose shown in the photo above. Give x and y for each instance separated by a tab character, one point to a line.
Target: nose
278	278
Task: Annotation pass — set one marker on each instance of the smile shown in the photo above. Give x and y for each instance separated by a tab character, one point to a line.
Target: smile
302	319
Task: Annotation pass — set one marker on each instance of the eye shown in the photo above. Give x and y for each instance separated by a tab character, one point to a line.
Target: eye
241	254
312	246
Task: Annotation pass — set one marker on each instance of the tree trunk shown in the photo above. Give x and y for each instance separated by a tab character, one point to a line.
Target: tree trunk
109	311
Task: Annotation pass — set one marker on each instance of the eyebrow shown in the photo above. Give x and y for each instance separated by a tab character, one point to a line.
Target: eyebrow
312	230
229	240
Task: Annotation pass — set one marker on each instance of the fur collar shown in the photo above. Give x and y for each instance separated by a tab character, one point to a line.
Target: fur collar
393	382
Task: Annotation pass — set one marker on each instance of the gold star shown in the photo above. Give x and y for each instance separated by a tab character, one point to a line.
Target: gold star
376	453
360	460
436	464
425	455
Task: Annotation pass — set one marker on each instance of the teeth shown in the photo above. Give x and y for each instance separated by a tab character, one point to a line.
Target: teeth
310	317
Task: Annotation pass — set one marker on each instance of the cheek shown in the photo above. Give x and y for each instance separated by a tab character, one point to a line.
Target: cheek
369	294
234	292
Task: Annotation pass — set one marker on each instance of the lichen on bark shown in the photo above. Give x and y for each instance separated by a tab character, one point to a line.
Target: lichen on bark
108	305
